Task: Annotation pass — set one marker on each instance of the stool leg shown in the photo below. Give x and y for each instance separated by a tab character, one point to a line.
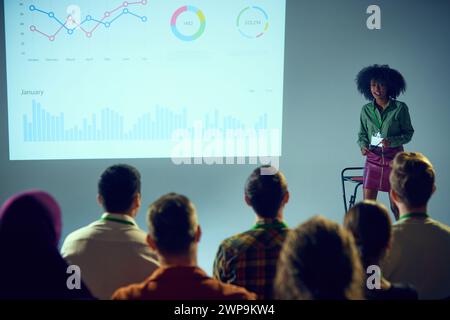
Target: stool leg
353	197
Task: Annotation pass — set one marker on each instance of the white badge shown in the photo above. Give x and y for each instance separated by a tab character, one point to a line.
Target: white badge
376	139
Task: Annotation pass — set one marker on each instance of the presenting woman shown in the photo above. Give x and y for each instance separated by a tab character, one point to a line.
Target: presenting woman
385	125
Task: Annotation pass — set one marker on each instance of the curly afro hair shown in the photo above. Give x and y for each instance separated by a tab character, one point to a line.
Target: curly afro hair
393	80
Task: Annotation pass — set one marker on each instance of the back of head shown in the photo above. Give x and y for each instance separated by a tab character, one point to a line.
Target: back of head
32	217
370	224
31	266
412	178
172	223
266	192
319	261
118	186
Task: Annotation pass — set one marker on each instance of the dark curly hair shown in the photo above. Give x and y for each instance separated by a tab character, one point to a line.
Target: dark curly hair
393	80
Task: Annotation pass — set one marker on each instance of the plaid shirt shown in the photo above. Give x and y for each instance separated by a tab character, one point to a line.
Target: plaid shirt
249	259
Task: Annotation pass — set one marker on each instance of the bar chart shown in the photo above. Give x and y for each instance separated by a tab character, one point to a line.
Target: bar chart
109	125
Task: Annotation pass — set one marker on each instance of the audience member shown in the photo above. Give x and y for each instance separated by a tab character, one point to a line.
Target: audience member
420	251
319	261
174	234
370	224
112	251
31	266
249	259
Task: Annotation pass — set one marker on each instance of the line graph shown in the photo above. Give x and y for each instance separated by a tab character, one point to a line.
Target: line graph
71	23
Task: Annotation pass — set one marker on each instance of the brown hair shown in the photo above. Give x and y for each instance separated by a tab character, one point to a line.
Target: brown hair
319	261
370	224
172	223
412	178
266	192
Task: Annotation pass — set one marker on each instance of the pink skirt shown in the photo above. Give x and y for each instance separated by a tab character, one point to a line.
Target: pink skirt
378	168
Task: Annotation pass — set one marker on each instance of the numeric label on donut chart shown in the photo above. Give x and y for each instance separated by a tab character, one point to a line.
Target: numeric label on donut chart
188	23
253	22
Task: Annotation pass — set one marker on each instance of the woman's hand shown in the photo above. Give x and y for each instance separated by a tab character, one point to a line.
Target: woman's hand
385	143
364	151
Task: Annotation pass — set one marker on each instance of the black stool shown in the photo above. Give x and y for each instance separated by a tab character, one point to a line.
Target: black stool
356	178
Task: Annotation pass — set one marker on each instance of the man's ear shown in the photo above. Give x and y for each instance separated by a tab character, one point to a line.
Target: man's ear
394	196
247	200
198	234
138	200
100	200
151	243
434	189
286	197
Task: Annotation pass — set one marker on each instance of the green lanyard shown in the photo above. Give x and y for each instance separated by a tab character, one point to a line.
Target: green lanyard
414	215
273	225
117	220
379	125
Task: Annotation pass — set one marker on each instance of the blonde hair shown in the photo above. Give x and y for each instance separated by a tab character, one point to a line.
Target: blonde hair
412	178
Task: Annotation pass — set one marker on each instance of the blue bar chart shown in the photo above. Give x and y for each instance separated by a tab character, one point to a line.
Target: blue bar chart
109	125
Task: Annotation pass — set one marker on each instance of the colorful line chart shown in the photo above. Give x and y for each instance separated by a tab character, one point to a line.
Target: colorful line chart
70	23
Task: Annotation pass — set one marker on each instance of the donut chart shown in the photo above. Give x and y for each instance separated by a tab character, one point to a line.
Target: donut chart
179	14
253	22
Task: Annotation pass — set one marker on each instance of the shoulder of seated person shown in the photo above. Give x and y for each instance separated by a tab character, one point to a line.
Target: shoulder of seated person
236	292
130	292
239	240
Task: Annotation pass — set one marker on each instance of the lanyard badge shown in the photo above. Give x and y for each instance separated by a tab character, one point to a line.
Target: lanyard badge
377	138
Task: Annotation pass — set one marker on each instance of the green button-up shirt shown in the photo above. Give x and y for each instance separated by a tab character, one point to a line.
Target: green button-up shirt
394	124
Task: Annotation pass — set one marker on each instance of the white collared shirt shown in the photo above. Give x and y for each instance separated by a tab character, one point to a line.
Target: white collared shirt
111	253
